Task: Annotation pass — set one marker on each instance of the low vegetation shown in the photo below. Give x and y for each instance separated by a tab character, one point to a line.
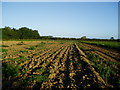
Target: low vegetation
23	51
9	70
105	69
108	44
4	50
32	48
4	46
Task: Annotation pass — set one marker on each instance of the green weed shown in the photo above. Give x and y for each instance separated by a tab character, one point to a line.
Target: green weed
93	57
50	43
32	48
21	59
12	59
111	62
72	61
24	71
41	44
9	70
4	50
23	51
119	83
61	43
105	69
79	64
40	70
39	78
4	46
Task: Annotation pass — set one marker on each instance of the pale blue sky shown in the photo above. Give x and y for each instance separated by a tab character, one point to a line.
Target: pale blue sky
60	0
64	19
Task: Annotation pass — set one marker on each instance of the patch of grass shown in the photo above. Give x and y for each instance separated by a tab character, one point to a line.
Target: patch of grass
61	43
19	67
40	70
0	49
108	44
119	83
25	71
35	54
32	48
105	69
23	51
12	59
42	44
4	46
79	64
39	78
50	43
111	62
0	56
21	59
105	72
4	50
9	70
72	61
108	74
20	44
93	57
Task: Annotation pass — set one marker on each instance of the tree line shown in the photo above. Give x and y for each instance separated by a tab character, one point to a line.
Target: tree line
26	33
21	33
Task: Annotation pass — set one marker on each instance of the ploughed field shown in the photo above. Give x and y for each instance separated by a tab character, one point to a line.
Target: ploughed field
58	64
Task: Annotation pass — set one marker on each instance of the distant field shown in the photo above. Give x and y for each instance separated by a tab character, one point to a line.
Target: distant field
109	44
36	64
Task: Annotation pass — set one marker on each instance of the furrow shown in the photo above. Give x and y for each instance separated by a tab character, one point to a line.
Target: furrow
56	68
